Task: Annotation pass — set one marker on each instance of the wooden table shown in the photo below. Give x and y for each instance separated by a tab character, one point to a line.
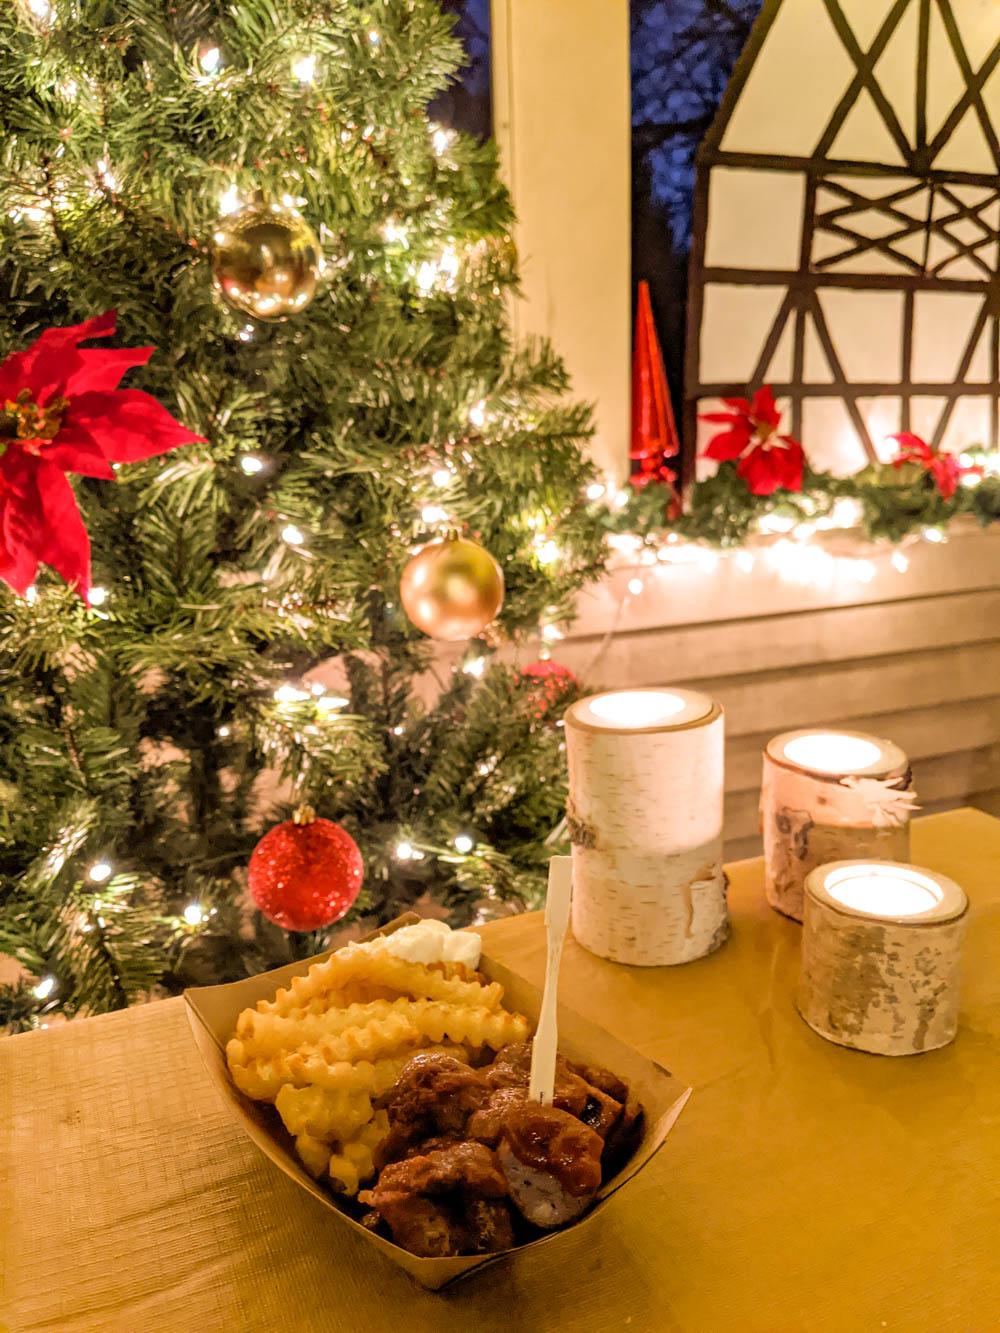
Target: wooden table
805	1187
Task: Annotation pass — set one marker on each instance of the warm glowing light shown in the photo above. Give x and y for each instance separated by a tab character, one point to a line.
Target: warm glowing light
374	38
595	490
251	464
100	872
229	201
551	632
900	561
404	851
548	552
833	752
44	988
98	596
776	523
288	694
292	535
434	514
932	535
636	708
223	732
883	890
441	139
193	914
464	844
331	702
864	570
210	59
442	477
304	69
635	587
744	561
475	667
426	275
477	414
41	9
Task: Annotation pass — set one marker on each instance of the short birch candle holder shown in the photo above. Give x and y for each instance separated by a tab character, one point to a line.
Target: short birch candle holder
881	952
645	821
829	796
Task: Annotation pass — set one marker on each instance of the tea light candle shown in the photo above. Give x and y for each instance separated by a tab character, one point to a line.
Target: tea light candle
881	946
645	820
827	795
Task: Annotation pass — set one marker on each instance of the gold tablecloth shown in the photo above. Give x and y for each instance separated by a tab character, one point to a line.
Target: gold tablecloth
805	1187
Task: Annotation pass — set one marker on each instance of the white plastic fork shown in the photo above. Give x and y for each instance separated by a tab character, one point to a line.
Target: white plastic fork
543	1048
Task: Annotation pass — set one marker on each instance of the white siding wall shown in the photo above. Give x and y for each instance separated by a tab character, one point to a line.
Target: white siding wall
914	656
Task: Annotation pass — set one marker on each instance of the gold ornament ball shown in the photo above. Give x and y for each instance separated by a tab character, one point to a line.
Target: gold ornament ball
452	589
265	261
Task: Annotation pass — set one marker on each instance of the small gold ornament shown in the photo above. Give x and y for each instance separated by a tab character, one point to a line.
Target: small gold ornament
451	589
265	261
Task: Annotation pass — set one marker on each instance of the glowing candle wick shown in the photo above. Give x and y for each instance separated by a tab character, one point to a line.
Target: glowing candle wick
829	752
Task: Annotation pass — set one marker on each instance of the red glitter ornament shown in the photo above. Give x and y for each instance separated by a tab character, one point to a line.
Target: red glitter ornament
305	873
548	683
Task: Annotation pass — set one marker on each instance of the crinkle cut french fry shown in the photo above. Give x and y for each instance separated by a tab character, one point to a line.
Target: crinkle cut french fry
269	1034
322	1114
378	967
354	1162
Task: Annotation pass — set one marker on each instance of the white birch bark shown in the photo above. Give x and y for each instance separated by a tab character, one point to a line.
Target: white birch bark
889	986
645	815
809	819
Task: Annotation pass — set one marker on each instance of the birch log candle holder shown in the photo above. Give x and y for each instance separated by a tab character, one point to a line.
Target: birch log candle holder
830	796
645	821
881	945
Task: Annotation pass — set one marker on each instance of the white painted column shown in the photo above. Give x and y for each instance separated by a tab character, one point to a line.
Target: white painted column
561	112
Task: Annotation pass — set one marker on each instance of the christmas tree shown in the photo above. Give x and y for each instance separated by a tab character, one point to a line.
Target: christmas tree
325	274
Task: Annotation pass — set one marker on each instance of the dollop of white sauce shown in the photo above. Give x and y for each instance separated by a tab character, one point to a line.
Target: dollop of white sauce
428	942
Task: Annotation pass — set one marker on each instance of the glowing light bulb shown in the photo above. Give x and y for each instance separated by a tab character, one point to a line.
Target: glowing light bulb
635	587
775	523
292	535
44	988
31	595
483	770
193	914
442	477
108	177
475	667
288	694
552	633
41	9
464	844
331	702
210	59
548	552
373	37
434	514
932	535
246	333
900	561
744	561
595	490
229	201
98	596
477	414
398	731
441	139
251	464
304	69
426	276
404	851
100	872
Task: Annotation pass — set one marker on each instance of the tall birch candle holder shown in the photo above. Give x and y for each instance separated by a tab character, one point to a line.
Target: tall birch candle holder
645	820
829	796
881	948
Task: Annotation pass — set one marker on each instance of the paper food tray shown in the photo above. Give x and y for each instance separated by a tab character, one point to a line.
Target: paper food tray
213	1010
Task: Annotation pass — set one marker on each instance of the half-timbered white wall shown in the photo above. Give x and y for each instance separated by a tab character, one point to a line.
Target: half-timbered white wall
914	656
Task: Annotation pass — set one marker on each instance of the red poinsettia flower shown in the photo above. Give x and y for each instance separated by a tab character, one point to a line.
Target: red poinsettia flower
946	469
61	411
768	461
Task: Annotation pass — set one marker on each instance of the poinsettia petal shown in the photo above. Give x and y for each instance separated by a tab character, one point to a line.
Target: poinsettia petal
103	367
18	566
61	538
727	418
919	450
764	408
728	444
788	464
40	366
75	450
758	472
740	405
128	424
